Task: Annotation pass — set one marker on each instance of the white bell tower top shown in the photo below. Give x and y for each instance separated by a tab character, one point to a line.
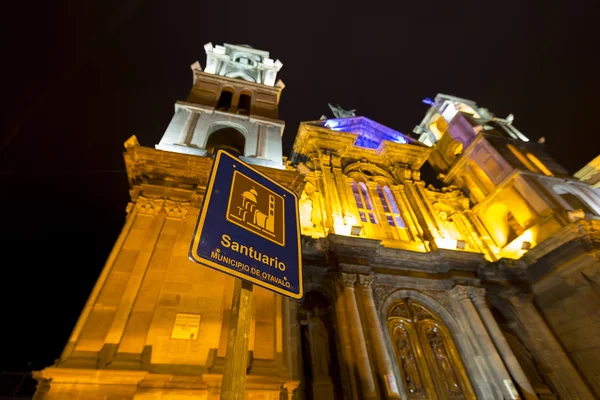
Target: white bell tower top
241	61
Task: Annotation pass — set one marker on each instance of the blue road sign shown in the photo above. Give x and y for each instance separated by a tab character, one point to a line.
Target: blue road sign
248	227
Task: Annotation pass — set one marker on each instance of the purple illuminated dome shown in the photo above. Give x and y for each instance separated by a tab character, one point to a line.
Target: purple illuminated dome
371	133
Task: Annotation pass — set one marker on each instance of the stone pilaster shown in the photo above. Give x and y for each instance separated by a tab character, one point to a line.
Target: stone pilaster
478	297
422	216
340	182
481	342
383	362
359	347
553	360
262	141
187	131
131	215
347	361
147	208
333	197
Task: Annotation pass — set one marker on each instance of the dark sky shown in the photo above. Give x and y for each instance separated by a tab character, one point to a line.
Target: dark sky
80	77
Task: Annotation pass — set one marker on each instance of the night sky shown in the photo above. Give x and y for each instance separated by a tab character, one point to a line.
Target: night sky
80	77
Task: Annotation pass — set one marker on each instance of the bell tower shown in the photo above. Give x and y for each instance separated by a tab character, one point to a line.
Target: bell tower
520	194
233	104
156	324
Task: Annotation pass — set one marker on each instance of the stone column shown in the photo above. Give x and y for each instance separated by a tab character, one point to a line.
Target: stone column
517	373
554	361
187	131
489	364
359	347
383	362
347	362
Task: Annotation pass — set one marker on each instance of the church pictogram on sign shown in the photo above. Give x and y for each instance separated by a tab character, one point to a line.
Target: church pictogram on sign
256	209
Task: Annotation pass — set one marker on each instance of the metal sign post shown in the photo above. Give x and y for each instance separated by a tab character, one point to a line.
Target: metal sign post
248	227
236	356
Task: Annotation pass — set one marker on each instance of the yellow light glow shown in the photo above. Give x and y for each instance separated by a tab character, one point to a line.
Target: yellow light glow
516	248
444	243
344	226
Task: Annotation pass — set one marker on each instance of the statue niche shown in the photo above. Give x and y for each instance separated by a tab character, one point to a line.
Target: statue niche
309	208
318	347
408	363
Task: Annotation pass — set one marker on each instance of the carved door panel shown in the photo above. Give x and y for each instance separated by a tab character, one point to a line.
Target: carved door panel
427	359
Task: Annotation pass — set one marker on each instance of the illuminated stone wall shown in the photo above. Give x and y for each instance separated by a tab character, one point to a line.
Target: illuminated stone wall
493	237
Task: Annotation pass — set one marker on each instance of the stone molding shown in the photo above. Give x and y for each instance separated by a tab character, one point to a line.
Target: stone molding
382	292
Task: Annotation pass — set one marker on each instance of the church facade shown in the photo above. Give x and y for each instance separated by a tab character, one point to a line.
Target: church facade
486	288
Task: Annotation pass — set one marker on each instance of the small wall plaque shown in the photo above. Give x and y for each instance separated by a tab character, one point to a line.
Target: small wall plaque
186	326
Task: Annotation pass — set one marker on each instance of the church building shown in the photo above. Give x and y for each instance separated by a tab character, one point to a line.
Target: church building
484	286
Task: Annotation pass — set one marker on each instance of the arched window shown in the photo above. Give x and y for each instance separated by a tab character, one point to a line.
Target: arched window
392	213
244	103
427	358
363	202
224	102
228	138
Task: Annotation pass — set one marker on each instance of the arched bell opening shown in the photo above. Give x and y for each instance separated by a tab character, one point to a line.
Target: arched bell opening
227	138
225	99
244	103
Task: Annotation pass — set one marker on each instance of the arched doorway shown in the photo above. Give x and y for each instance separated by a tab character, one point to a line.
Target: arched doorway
226	137
427	359
319	354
